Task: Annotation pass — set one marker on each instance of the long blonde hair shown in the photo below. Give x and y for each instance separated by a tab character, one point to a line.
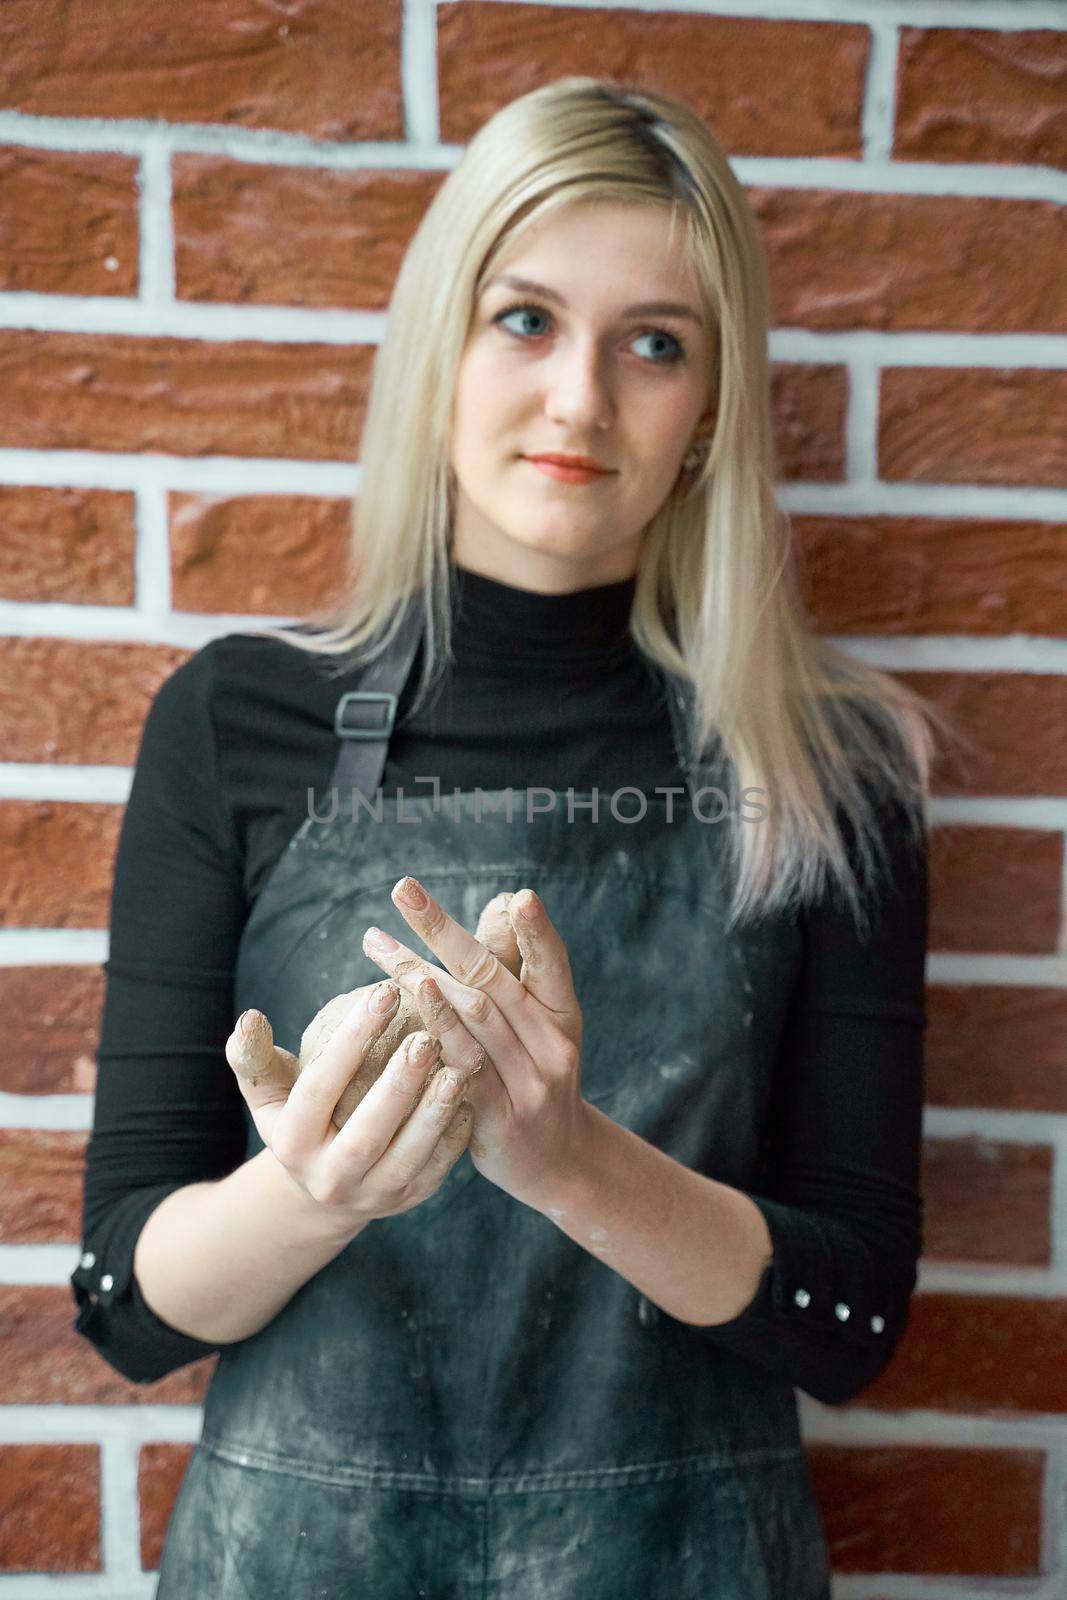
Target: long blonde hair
717	600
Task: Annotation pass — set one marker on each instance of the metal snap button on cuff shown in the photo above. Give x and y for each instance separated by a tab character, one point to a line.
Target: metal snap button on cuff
842	1311
802	1297
106	1281
87	1260
877	1324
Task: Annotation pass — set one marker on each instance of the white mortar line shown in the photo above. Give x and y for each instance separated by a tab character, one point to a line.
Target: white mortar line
41	780
419	72
126	624
1006	1283
152	593
879	92
218	323
1054	1515
135	1424
1005	1127
1016	811
267	146
47	1586
225	474
120	1510
921	1426
1006	15
65	1111
1043	972
872	175
156	226
918	1586
38	1264
1015	652
47	947
861	424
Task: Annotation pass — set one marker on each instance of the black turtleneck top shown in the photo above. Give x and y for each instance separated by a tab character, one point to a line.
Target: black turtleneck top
543	690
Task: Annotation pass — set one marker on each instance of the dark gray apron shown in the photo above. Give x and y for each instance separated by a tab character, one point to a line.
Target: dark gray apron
465	1403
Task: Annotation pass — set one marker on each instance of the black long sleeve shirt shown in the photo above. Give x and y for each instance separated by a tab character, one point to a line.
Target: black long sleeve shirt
544	690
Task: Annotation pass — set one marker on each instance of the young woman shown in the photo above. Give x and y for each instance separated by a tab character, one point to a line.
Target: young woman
547	1343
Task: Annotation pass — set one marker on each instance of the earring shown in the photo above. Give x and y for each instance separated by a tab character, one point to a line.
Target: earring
695	456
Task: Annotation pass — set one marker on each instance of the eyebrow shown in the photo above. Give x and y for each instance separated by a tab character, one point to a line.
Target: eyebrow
646	308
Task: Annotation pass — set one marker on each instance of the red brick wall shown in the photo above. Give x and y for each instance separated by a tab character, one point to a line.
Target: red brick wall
202	210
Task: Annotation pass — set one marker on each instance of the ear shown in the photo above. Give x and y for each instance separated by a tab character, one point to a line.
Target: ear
494	930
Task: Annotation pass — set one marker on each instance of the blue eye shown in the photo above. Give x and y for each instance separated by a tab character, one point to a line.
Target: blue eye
675	352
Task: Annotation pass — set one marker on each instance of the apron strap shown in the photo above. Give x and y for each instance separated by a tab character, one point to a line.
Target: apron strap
364	718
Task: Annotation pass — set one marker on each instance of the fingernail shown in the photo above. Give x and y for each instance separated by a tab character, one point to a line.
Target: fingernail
379	940
385	998
244	1024
449	1088
410	894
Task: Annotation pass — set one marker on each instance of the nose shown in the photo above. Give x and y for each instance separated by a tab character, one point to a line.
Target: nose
578	390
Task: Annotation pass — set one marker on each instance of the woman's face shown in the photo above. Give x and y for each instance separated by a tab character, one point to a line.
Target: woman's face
578	372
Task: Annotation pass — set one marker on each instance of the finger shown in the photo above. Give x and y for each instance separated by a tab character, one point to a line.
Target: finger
459	952
494	930
305	1121
265	1070
417	1141
459	1049
387	1105
475	1024
546	971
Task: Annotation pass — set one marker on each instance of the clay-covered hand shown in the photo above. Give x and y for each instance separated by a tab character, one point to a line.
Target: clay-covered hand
517	1038
270	1069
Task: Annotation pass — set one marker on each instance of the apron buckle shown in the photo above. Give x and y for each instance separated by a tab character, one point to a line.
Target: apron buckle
352	720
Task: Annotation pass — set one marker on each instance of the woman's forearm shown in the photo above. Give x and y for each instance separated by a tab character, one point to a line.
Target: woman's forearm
219	1260
695	1247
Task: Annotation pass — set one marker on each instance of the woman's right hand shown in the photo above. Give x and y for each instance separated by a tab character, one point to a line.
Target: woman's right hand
397	1145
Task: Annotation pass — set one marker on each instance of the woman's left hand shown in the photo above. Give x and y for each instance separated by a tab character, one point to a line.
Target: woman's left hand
516	1039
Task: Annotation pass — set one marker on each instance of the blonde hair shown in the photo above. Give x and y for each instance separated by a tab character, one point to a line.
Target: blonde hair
717	599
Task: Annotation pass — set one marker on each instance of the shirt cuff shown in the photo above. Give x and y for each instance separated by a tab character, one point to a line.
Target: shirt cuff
821	1317
113	1314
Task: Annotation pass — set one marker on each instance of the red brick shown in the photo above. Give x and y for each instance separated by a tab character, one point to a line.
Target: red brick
840	259
321	67
160	1470
41	1185
973	425
47	1362
102	723
50	1507
979	1354
1010	731
247	233
53	1015
982	94
56	859
809	405
76	546
775	88
186	397
996	1048
957	1512
995	890
265	554
924	575
69	213
987	1202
